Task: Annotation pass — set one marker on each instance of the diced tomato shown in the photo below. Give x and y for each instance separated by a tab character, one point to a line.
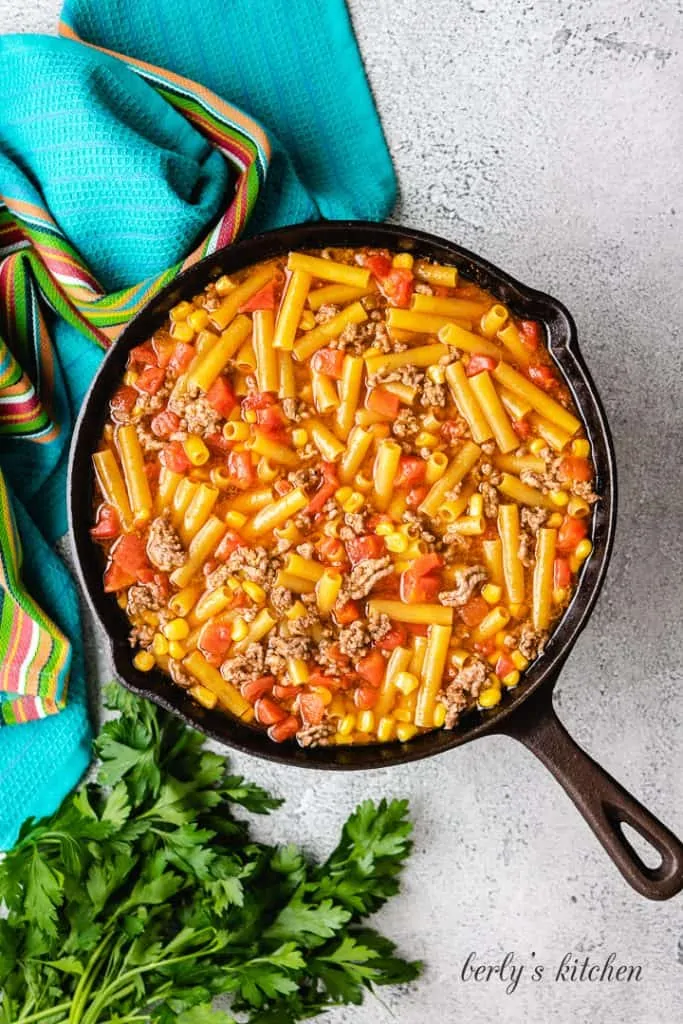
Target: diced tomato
485	647
311	708
116	578
453	430
426	564
504	666
562	574
150	380
573	467
282	487
217	443
164	346
325	491
181	357
474	611
367	546
521	428
163	583
389	587
333	651
530	331
318	678
365	697
284	730
329	361
258	400
331	549
346	613
415	496
542	376
282	692
378	264
254	689
108	523
271	419
417	628
152	471
230	542
143	355
216	638
478	363
411	471
130	554
165	423
416	589
372	667
383	402
122	401
467	290
263	299
241	470
221	396
398	286
394	638
174	458
570	533
269	712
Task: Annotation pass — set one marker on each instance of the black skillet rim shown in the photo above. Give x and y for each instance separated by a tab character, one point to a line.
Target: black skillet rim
527	302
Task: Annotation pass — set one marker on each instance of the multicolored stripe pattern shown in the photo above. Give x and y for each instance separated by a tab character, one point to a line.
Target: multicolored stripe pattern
41	271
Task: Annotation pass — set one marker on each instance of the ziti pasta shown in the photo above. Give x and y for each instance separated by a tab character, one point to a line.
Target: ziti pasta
343	496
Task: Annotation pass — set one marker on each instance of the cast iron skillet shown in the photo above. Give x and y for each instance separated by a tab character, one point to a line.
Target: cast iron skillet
527	713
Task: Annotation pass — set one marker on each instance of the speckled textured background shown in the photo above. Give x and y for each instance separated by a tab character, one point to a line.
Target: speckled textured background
546	137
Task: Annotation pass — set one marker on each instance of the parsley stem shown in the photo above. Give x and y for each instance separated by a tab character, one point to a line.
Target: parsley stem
44	1014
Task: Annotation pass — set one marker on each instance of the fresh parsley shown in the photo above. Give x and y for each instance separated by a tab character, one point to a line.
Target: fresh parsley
144	897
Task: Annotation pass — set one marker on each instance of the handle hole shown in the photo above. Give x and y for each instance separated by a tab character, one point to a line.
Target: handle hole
645	851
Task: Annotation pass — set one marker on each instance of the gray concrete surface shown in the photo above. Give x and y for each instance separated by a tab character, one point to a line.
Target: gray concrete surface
547	137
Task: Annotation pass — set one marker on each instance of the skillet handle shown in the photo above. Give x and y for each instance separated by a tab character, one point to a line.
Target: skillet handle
600	799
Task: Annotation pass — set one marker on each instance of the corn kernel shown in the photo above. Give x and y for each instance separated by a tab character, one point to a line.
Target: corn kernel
383	529
475	505
159	645
150	618
362	483
254	591
342	493
196	450
537	445
519	661
198	319
308	321
405	731
354	503
182	332
337	707
426	440
511	679
583	550
234	519
176	629
406	682
234	582
129	377
297	670
437	374
560	595
204	696
144	661
555	520
403	715
559	498
176	650
300	437
224	285
439	716
346	725
581	447
250	415
491	593
236	430
385	729
324	694
493	658
397	507
404	260
489	697
396	542
239	630
181	311
365	721
297	611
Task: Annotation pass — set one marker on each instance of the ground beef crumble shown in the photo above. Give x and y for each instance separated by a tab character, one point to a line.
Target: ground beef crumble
364	576
405	425
532	641
358	639
316	735
179	675
465	582
490	496
143	597
141	636
164	548
464	688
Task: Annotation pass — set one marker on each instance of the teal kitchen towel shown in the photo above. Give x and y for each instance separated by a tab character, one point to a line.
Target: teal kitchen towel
116	170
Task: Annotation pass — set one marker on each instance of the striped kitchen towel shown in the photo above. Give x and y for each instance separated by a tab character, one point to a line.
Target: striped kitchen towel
117	170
